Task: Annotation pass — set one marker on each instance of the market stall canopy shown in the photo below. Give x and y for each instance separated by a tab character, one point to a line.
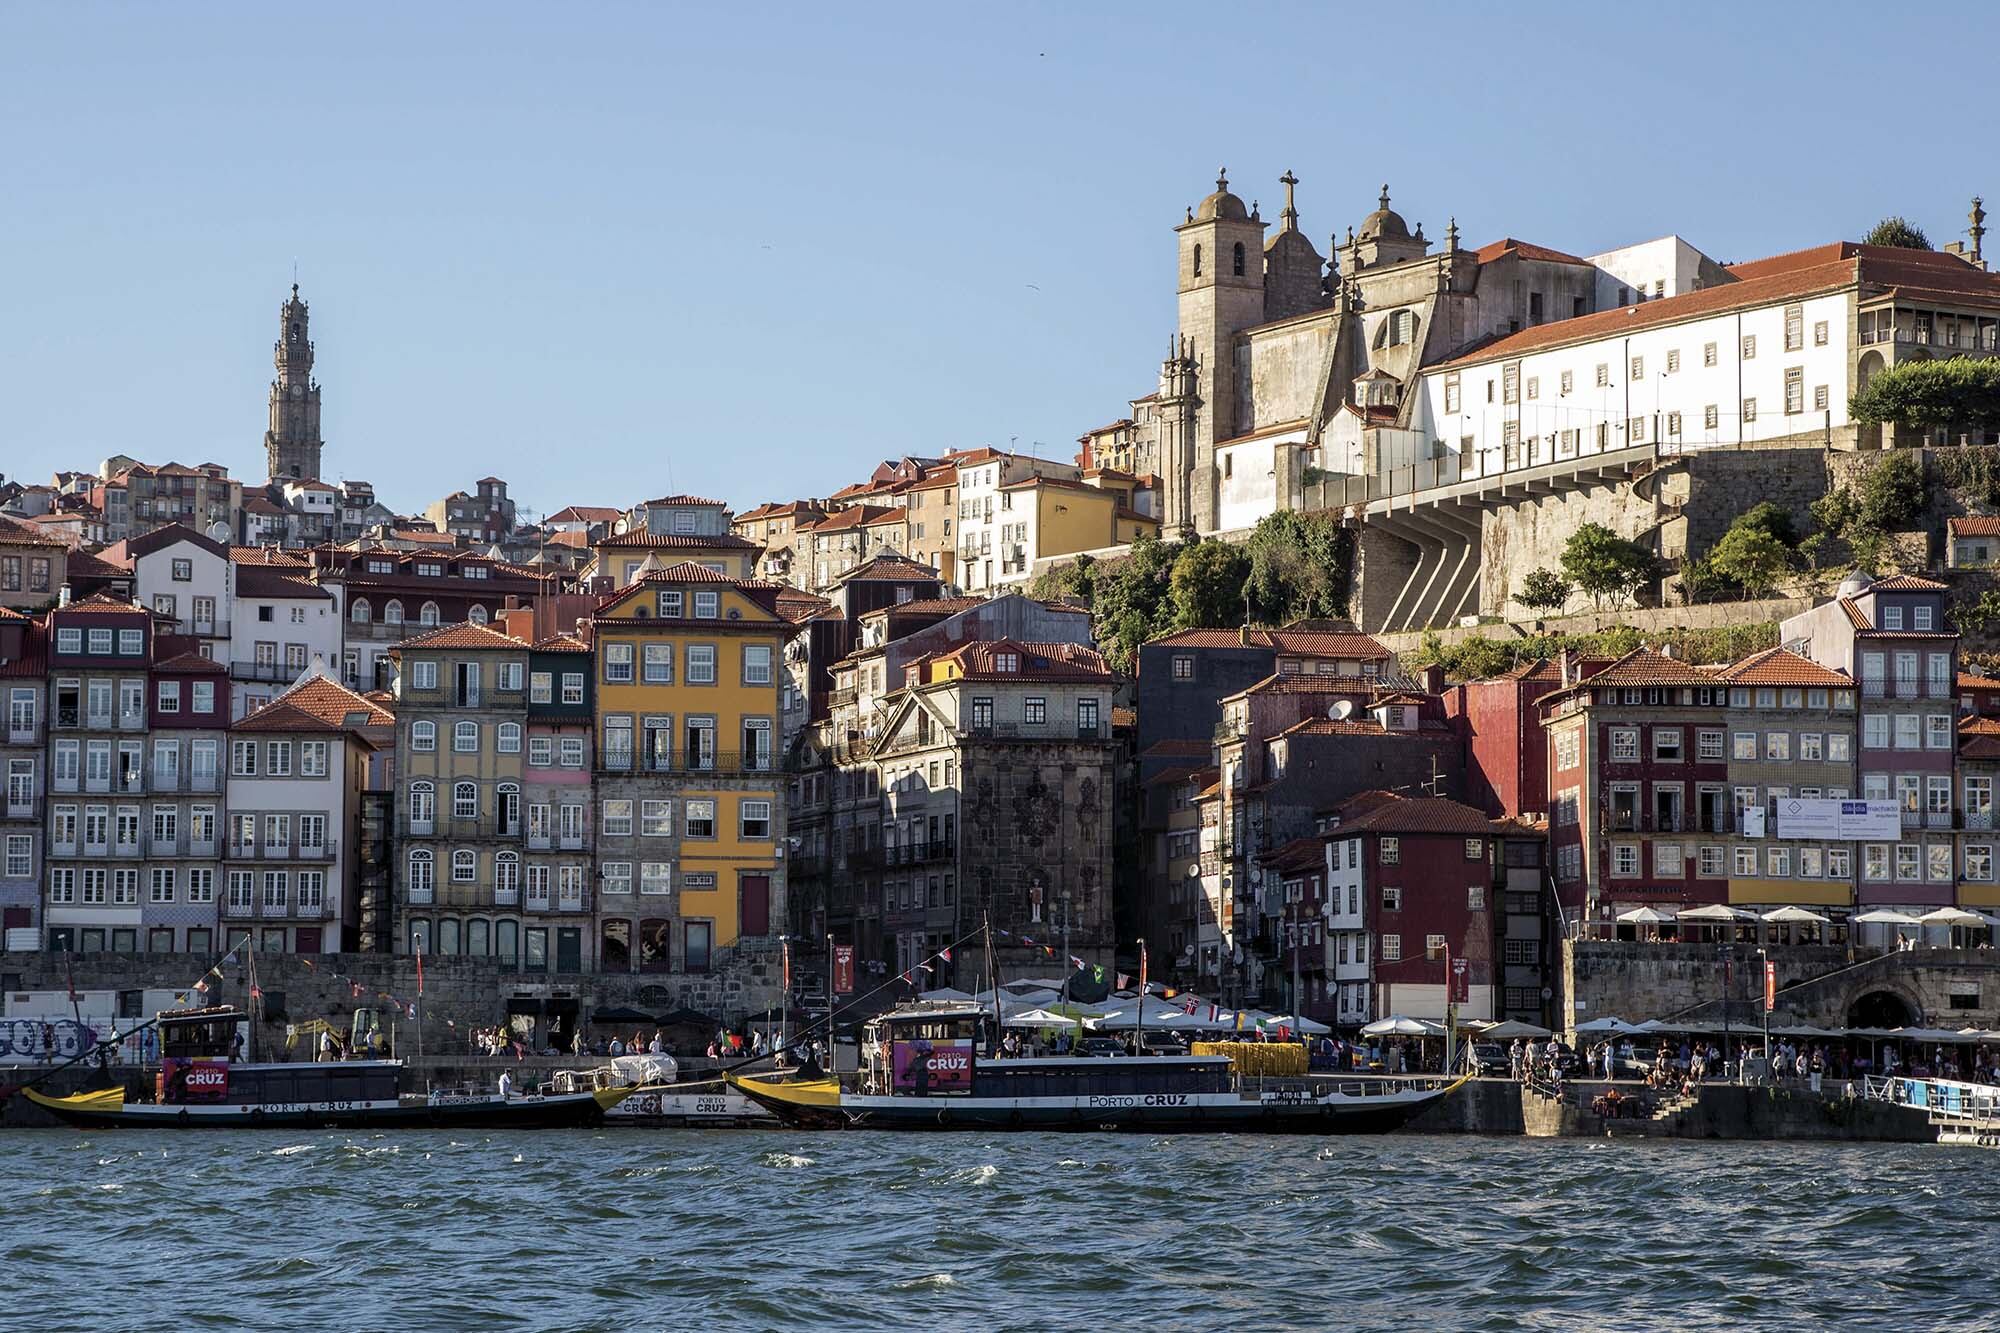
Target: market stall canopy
1511	1029
1611	1024
1954	916
1715	912
1643	916
1882	916
1038	1018
1796	915
1399	1025
945	993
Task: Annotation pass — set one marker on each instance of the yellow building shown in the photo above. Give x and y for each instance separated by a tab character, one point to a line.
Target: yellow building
621	557
1040	517
690	802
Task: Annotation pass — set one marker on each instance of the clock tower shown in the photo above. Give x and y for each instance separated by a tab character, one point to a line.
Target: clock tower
292	444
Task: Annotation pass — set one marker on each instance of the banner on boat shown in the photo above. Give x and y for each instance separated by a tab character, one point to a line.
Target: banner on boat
924	1066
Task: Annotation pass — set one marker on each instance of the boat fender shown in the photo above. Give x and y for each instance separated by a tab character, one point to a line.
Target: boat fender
944	1116
257	1116
1198	1114
184	1119
1076	1115
1015	1120
436	1116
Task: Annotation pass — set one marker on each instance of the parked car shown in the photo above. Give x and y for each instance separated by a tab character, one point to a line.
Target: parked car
1161	1043
1101	1046
1488	1057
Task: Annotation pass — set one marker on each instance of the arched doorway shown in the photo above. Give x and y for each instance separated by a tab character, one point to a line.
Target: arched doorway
1881	1009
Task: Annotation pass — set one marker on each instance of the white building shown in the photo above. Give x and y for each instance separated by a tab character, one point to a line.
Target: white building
188	579
991	521
297	769
281	622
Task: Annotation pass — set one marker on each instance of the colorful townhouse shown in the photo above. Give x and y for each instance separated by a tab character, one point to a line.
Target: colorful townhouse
24	758
190	706
690	799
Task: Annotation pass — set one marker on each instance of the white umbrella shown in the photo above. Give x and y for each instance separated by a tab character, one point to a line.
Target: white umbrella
1643	916
1297	1024
1882	916
1037	1018
1511	1029
1397	1025
1798	915
1609	1024
1715	912
945	993
1952	916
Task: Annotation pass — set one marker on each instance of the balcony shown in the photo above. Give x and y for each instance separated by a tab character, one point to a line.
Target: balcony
537	842
207	627
276	673
132	720
1979	819
570	842
423	828
27	735
277	851
1938	819
726	763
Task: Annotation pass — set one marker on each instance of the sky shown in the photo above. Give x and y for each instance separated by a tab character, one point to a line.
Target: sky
608	252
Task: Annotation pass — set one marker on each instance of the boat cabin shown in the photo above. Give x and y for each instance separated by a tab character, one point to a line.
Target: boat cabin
933	1051
197	1068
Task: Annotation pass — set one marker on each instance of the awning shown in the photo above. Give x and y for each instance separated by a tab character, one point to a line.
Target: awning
619	1015
1796	916
1715	912
1643	916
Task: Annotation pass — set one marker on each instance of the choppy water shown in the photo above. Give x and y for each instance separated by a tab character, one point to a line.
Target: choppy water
636	1229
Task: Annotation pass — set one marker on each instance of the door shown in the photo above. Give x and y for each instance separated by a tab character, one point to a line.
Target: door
699	933
569	949
754	904
308	938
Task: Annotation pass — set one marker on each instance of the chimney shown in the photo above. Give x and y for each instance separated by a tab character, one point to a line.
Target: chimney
1567	666
62	595
1434	679
1243	635
1667	650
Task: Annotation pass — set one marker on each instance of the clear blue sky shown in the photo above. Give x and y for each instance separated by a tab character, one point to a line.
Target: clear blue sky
746	251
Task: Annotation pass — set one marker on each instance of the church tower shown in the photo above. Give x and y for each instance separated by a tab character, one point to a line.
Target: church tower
1292	268
1221	293
292	444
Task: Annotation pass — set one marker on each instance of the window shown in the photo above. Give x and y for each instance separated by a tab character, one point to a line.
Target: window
424	676
169	699
421	876
700	821
1778	746
1749	409
1907	731
1391	851
1603	375
423	807
1795	328
572	687
1183	668
1708	744
1667	862
617	818
1034	711
507	738
1624	743
423	736
465	737
1667	745
539	688
541	752
1909	861
1778	862
707	604
465	800
656	819
668	604
656	877
571	749
1749	347
1568	381
657	664
243	758
1625	859
1819	398
1392	898
1795	389
1475	848
1392	948
464	866
618	877
427	614
278	759
1638	369
756	819
701	664
756	664
618	663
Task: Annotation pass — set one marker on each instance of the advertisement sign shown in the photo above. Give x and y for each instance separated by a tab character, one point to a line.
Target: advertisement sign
196	1080
843	969
925	1066
1839	819
1770	987
1461	982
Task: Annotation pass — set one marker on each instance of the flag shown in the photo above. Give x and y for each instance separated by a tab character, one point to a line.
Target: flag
256	992
926	967
354	986
1239	1020
410	1011
420	971
1076	962
1142	969
1024	938
202	986
945	954
1214	1014
1188	1008
1049	951
1124	980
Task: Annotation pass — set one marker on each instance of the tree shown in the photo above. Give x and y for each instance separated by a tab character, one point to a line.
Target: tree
1300	566
1959	393
1975	615
1892	494
1751	557
1898	232
1768	516
1207	585
1544	590
1604	565
1700	581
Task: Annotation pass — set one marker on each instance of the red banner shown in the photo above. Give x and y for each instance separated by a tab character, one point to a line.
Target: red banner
926	1066
1770	986
843	969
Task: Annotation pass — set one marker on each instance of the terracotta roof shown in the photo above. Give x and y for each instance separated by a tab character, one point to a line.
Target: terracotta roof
9	613
561	643
643	540
1643	666
1169	775
1299	854
85	564
191	664
889	568
102	603
1781	666
1507	245
940	479
1969	681
267	555
585	514
1300	643
465	634
1906	583
799	607
1300	682
928	606
1411	814
854	516
1973	525
267	581
1124	717
1862	625
1038	661
1979	738
318	703
169	534
423	536
686	571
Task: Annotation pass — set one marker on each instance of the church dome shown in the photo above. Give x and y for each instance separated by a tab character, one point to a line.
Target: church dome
1384	223
1289	243
1222	205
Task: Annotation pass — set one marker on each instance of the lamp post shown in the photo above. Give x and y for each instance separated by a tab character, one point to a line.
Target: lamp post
1726	954
1069	968
1763	998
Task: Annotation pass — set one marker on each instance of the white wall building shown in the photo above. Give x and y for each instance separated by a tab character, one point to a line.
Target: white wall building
182	575
280	624
990	519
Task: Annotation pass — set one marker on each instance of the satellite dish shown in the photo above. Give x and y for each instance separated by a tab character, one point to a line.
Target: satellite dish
1341	710
218	531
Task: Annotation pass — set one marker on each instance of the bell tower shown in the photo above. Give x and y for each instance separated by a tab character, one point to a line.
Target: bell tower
292	443
1221	293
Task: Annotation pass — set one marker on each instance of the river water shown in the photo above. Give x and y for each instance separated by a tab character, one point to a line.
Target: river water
679	1229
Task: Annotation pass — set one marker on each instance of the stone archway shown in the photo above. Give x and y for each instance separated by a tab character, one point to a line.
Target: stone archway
1871	365
1883	1009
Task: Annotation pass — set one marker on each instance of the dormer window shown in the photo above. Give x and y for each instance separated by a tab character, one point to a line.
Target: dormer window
707	605
1920	618
1007	662
670	603
1892	617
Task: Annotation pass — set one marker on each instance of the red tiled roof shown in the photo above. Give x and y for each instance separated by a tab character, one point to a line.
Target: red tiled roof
1299	643
1298	854
640	539
1308	683
683	500
940	479
1973	525
1970	681
1124	717
84	564
928	606
1905	583
561	643
1038	661
888	568
269	581
1507	245
585	514
686	571
267	555
1781	666
1411	814
854	516
191	664
1643	666
423	537
102	603
465	634
1177	749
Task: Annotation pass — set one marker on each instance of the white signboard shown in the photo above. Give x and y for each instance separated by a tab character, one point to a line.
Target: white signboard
1839	820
